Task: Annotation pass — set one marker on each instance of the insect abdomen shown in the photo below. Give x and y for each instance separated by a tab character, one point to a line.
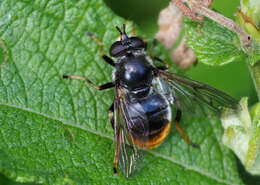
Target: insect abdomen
151	117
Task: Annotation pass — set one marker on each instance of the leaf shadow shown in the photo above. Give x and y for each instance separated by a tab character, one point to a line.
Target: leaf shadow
246	177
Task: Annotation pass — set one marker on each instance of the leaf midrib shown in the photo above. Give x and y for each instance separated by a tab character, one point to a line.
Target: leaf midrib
100	134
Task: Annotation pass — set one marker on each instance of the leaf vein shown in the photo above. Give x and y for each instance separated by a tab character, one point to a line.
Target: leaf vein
197	170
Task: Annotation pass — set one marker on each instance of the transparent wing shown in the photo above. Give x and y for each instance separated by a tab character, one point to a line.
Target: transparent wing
130	155
191	93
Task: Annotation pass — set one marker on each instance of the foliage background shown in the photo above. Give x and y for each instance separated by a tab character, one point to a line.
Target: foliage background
220	77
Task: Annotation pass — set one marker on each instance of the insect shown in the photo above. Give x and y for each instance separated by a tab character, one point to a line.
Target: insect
141	114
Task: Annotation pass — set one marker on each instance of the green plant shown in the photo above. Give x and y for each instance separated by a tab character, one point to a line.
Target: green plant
57	132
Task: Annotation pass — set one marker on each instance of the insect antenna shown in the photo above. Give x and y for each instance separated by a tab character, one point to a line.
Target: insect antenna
118	29
123	35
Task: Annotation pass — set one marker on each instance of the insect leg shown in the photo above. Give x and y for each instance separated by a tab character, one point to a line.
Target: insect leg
101	87
165	66
110	114
118	143
133	30
105	57
134	34
176	124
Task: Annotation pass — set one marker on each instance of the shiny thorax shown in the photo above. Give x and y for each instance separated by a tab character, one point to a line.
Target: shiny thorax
149	111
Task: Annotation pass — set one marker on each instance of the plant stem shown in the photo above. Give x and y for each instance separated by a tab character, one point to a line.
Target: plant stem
197	7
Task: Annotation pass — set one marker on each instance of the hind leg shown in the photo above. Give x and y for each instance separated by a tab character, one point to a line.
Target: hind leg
110	115
179	129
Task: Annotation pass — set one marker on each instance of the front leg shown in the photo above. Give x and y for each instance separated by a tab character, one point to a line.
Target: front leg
101	87
105	57
165	66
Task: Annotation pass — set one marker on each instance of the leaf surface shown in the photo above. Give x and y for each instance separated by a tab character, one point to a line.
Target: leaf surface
55	131
212	43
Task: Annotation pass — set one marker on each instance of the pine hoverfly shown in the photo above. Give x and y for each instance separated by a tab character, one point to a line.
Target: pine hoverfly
141	114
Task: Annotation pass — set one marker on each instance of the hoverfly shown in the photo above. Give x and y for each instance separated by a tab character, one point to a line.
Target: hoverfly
141	113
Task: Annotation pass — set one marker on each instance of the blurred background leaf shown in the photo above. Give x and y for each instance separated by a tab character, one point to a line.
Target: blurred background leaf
233	78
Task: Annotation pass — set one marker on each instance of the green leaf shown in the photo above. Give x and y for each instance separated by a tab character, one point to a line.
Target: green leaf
213	44
251	9
55	131
254	57
6	181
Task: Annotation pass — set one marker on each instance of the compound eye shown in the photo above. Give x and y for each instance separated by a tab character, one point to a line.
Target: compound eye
116	49
137	43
